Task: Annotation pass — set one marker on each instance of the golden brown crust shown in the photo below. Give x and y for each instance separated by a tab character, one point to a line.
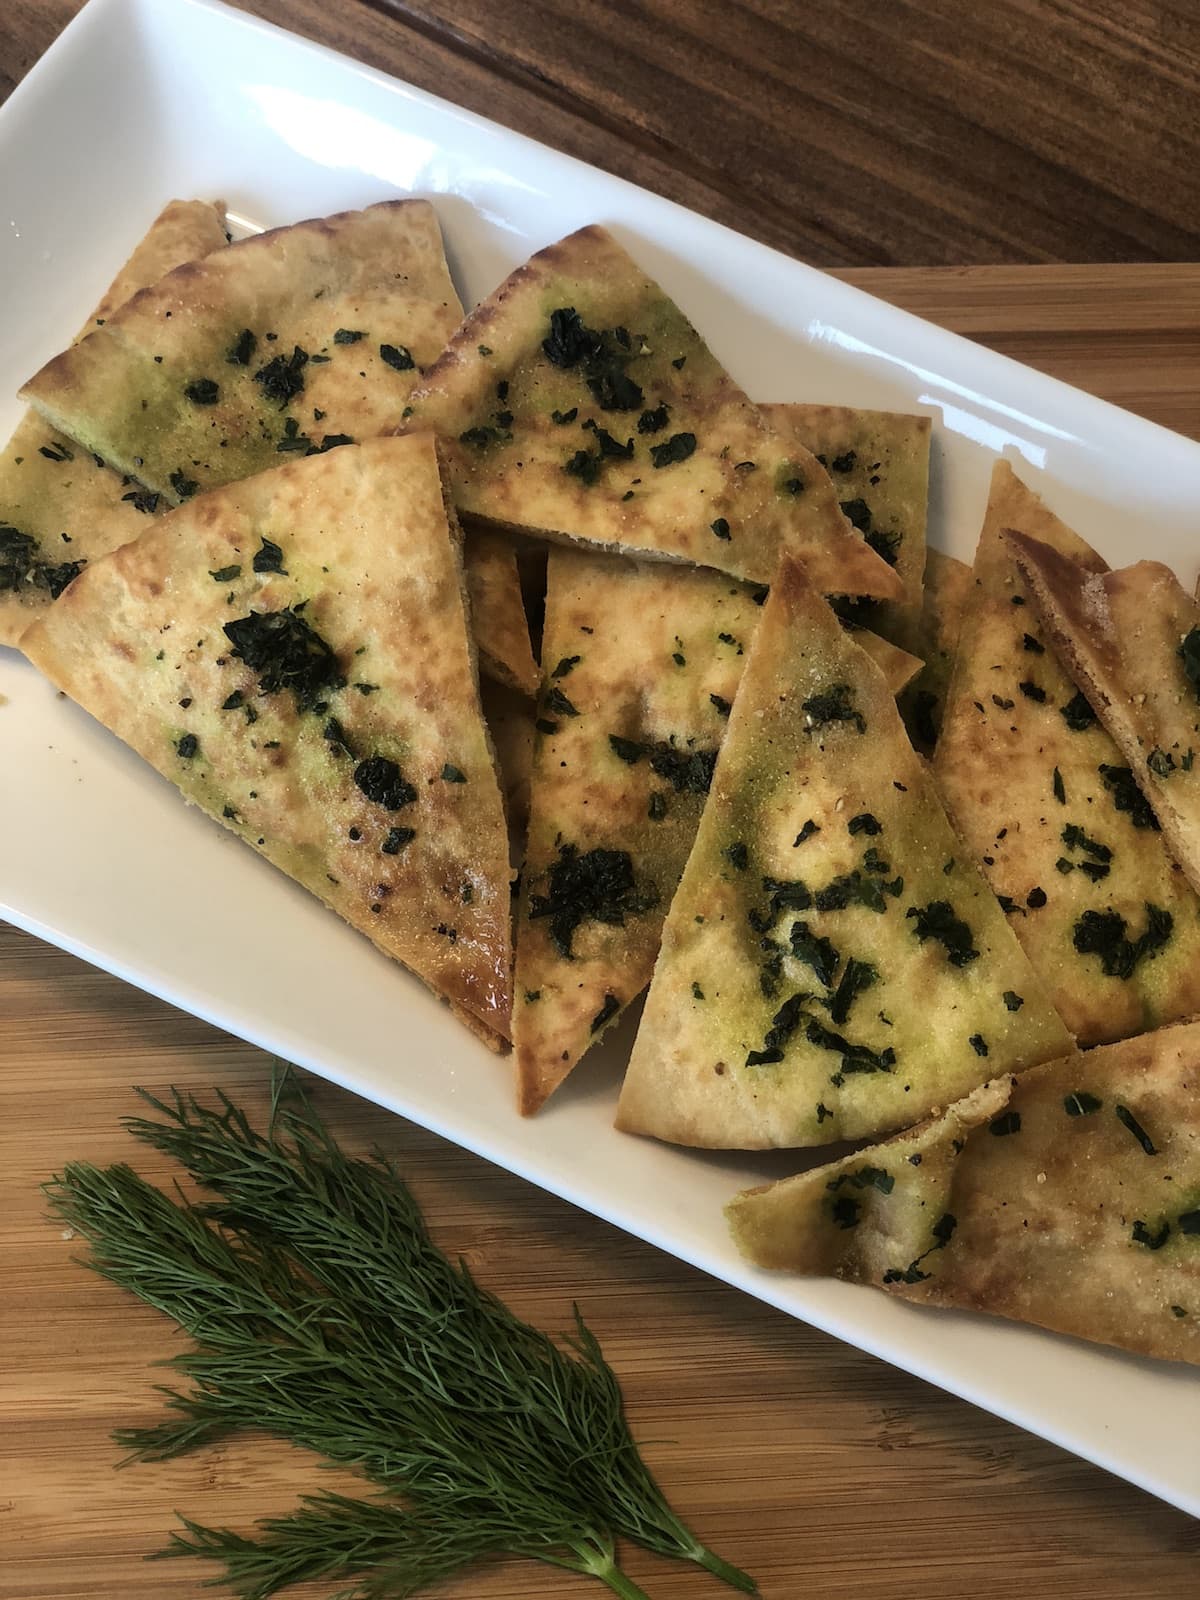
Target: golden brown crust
374	786
1068	1197
943	603
59	496
879	464
232	325
497	611
657	452
641	666
1043	800
822	845
1127	635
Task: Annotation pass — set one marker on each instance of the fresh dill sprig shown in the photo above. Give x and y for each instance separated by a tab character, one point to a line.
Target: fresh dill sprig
323	1312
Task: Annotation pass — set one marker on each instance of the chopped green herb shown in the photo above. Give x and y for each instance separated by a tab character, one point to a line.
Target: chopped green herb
1104	933
857	977
834	704
187	746
380	779
1012	1001
241	352
396	839
1127	1120
566	666
1008	1122
597	886
1126	796
1161	763
864	822
1141	1234
202	392
978	1043
721	528
226	574
452	774
1189	655
938	921
348	336
1060	793
1077	713
561	418
675	449
1081	1103
269	558
654	421
817	953
282	378
397	356
738	855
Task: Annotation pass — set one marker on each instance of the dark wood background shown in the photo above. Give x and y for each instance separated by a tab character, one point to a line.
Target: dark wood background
886	138
846	132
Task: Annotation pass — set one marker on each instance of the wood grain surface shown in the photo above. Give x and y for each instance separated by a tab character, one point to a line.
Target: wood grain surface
852	133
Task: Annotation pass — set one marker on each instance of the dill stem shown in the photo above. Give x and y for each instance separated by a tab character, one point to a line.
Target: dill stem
619	1582
733	1576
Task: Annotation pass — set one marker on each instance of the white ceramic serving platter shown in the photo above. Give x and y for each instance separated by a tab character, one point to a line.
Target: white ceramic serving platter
143	100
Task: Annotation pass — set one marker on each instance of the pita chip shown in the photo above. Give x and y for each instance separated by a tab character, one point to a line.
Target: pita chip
578	403
643	665
832	965
286	344
1068	1197
1133	640
291	652
879	464
947	584
1048	805
60	507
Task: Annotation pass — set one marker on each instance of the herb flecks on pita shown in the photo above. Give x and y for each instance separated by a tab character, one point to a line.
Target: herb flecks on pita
286	344
1068	1197
1133	639
642	665
60	507
832	965
291	652
1048	805
579	403
879	464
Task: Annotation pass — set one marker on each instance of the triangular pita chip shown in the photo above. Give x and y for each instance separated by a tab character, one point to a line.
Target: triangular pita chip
1045	801
509	716
832	965
923	705
879	463
498	611
1133	640
291	652
643	663
1068	1197
285	344
579	403
59	505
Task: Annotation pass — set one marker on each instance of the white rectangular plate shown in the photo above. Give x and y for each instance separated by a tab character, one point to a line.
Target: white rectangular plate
142	100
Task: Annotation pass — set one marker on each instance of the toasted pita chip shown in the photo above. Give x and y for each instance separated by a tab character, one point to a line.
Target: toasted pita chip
1068	1197
285	344
279	345
1044	799
879	463
498	611
899	668
578	403
643	664
947	585
59	506
832	966
1133	639
291	652
509	716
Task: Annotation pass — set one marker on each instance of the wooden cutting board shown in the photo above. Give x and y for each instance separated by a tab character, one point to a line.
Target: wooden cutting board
824	1472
